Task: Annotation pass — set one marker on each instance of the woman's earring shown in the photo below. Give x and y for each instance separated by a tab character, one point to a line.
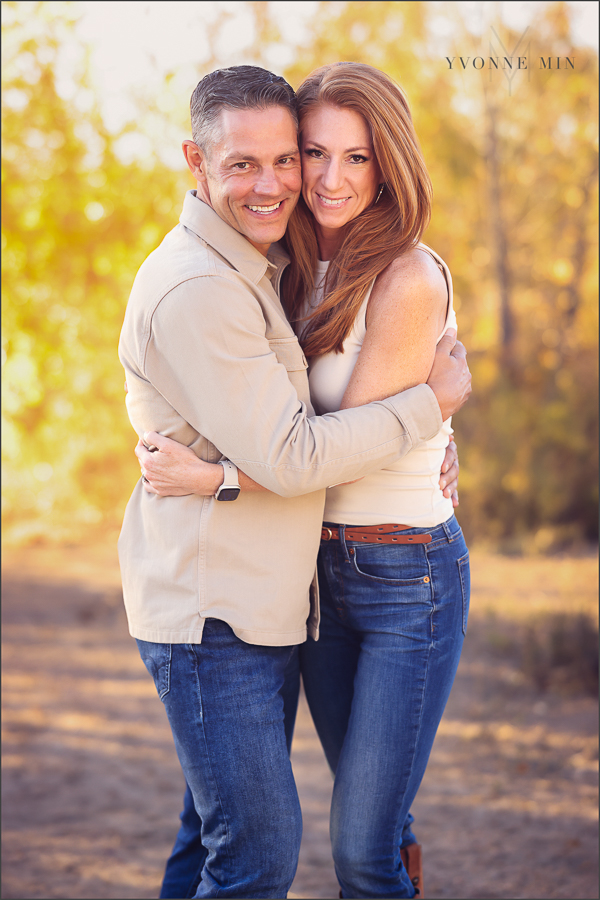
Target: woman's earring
380	192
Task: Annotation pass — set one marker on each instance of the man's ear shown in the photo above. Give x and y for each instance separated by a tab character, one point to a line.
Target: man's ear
195	159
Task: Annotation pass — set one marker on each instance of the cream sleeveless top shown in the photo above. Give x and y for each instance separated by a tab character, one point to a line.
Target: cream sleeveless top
408	491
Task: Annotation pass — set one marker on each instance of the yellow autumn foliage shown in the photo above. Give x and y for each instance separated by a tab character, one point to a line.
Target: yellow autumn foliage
514	168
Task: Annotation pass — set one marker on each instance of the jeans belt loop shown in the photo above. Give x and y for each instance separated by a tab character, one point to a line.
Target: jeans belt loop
342	531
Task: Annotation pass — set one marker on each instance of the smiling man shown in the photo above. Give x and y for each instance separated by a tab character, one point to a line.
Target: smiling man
217	593
249	171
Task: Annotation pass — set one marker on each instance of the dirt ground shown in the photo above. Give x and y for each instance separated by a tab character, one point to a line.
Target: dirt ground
92	786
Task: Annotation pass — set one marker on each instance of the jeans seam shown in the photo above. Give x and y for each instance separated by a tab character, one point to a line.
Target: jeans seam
216	783
446	539
432	593
343	542
421	704
442	542
429	652
331	563
461	563
431	589
167	689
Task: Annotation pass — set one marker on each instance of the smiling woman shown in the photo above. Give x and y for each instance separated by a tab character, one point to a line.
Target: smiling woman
340	179
372	163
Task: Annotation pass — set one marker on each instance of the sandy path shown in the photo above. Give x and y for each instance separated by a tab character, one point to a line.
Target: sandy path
92	787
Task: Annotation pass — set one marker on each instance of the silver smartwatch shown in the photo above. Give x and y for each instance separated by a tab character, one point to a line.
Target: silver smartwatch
230	489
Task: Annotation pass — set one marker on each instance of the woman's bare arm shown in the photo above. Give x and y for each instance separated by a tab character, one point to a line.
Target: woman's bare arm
405	315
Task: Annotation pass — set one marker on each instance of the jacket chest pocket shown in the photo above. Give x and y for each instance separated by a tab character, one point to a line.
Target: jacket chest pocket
289	353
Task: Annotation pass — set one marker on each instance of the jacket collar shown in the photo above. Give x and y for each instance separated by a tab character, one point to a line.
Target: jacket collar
201	218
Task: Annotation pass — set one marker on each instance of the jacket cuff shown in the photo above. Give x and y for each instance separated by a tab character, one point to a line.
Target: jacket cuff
418	410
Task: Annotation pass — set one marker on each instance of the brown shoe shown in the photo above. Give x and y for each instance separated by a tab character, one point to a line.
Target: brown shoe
413	863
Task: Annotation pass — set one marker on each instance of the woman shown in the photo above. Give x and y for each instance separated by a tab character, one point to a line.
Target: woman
370	303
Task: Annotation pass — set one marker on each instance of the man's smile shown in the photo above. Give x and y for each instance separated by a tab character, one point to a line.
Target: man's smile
265	210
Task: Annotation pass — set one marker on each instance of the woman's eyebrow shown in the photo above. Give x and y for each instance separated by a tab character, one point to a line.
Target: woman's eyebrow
349	150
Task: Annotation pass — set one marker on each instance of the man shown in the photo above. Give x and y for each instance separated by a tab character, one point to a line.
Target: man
217	594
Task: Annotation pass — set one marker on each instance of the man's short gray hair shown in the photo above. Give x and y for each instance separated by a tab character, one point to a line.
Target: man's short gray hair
238	87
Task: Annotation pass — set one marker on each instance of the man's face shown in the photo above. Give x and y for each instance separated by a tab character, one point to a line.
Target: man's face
252	175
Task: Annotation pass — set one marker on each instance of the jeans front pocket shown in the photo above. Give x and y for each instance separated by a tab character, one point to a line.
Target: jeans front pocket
464	572
157	659
399	566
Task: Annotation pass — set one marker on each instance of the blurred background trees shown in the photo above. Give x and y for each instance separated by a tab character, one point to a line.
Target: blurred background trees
77	223
514	168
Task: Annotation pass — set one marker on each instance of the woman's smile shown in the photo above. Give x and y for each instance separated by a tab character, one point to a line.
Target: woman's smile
330	201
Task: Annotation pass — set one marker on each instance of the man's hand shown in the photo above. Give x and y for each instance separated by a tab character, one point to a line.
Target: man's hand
450	379
449	473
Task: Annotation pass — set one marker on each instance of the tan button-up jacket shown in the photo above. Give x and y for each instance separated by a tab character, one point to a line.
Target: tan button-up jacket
211	361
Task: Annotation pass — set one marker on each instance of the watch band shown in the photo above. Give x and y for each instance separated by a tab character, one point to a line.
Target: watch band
230	489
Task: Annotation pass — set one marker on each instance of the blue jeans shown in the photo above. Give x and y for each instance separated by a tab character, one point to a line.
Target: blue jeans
241	826
393	619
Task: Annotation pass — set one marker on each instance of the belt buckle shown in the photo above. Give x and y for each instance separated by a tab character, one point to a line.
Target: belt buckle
329	535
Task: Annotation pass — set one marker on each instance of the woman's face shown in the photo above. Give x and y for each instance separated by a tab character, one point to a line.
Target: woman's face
340	175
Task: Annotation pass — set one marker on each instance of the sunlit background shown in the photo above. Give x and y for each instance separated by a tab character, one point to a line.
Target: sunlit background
95	106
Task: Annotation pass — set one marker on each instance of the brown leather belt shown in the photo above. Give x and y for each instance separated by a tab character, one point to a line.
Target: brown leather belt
375	534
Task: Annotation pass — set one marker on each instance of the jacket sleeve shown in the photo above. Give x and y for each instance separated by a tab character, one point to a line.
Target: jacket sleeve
209	356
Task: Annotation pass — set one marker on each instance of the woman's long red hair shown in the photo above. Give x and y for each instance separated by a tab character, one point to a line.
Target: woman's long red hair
383	231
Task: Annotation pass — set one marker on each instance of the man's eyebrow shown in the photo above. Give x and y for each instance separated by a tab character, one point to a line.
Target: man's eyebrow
248	157
237	156
318	146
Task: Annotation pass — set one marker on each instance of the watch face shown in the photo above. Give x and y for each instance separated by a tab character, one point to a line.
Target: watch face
229	493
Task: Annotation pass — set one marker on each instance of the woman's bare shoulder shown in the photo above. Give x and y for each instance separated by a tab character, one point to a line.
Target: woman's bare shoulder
413	273
415	264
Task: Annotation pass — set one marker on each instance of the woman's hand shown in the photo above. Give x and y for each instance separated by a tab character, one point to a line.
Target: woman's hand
173	470
449	476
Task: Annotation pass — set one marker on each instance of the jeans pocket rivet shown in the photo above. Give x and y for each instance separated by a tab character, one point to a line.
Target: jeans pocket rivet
426	580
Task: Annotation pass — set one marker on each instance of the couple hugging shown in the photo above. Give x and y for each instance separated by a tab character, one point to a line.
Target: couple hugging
291	372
